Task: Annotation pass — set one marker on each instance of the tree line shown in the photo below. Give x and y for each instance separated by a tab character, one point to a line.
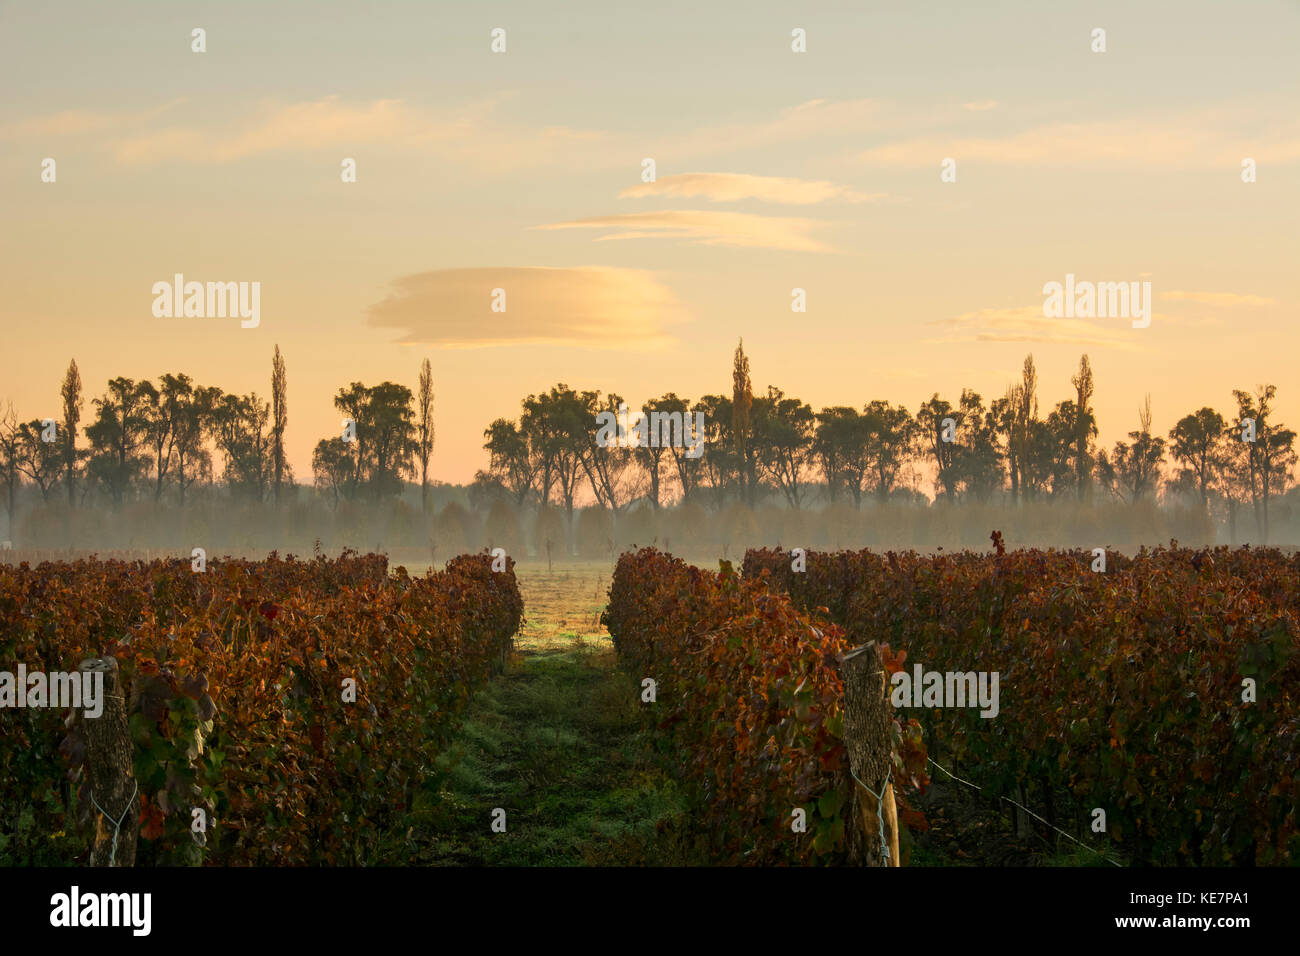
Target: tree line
161	440
774	445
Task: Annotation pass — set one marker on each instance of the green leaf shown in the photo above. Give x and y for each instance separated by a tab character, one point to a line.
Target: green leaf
830	804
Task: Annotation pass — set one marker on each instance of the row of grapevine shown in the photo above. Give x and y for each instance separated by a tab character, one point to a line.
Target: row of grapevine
749	707
1164	690
238	703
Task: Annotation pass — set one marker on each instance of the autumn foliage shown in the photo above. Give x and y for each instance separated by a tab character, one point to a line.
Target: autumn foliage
236	698
1120	690
749	705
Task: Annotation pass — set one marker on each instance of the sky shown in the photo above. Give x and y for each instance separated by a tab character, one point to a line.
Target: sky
774	170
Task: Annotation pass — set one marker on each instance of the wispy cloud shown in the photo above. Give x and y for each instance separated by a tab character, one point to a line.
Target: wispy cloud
1212	140
72	123
472	133
595	307
706	228
981	106
1028	324
733	187
1216	298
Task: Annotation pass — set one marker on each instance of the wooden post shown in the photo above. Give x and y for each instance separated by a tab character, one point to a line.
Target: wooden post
110	773
867	721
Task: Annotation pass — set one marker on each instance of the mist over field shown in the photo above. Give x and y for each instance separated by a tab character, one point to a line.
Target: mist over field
167	468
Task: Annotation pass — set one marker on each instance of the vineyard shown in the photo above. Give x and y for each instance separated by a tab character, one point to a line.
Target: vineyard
308	711
236	683
1124	691
750	704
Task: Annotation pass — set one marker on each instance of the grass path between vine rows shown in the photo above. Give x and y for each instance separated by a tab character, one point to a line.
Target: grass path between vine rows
554	741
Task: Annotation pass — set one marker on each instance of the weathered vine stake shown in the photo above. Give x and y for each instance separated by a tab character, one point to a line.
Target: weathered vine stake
867	722
115	802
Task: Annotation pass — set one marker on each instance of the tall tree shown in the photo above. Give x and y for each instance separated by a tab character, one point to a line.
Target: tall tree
279	420
742	404
1085	427
424	419
1024	415
73	403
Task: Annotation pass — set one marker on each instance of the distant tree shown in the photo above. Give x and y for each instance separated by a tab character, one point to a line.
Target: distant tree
657	452
1002	412
120	430
1054	451
393	444
1197	443
160	412
10	459
1132	472
1023	433
979	462
240	428
742	404
784	434
424	424
610	470
279	421
192	410
688	469
332	466
719	466
386	443
930	420
1084	427
39	460
891	436
510	462
73	403
560	428
1270	457
835	448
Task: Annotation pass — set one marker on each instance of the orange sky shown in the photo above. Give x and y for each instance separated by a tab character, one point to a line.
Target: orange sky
774	170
